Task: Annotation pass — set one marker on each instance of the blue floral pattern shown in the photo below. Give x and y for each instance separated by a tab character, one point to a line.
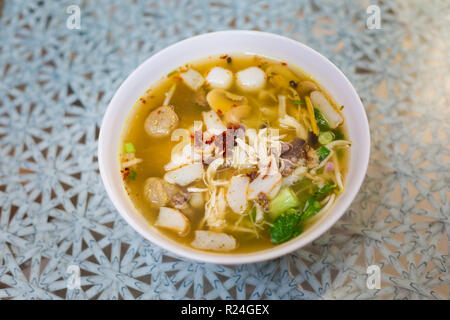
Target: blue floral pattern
54	213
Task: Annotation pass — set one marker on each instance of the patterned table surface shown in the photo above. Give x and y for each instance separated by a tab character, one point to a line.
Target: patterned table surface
55	217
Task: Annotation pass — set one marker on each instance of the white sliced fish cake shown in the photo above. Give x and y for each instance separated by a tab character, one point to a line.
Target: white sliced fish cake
213	122
173	220
237	193
251	79
215	241
220	78
331	115
192	79
185	175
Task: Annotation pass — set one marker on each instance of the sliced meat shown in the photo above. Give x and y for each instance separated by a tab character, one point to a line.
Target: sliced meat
296	150
161	122
215	241
180	199
313	139
288	167
263	201
285	147
291	153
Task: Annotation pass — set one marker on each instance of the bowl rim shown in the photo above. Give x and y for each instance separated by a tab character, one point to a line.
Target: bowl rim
238	258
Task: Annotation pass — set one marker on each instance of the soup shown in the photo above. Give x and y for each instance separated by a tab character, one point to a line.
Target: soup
234	153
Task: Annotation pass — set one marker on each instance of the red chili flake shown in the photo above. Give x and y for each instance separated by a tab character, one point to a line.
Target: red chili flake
192	136
159	111
125	173
219	111
284	63
224	56
230	126
211	140
234	105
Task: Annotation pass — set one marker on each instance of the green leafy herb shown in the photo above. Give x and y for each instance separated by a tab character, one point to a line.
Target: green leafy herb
322	123
129	148
323	153
286	226
300	102
324	190
312	206
338	135
132	175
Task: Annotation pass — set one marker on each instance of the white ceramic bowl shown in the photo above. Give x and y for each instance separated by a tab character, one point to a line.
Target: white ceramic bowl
260	43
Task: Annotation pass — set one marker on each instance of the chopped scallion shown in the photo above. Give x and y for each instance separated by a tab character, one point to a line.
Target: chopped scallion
338	135
322	123
323	153
174	72
132	175
300	102
129	147
326	137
